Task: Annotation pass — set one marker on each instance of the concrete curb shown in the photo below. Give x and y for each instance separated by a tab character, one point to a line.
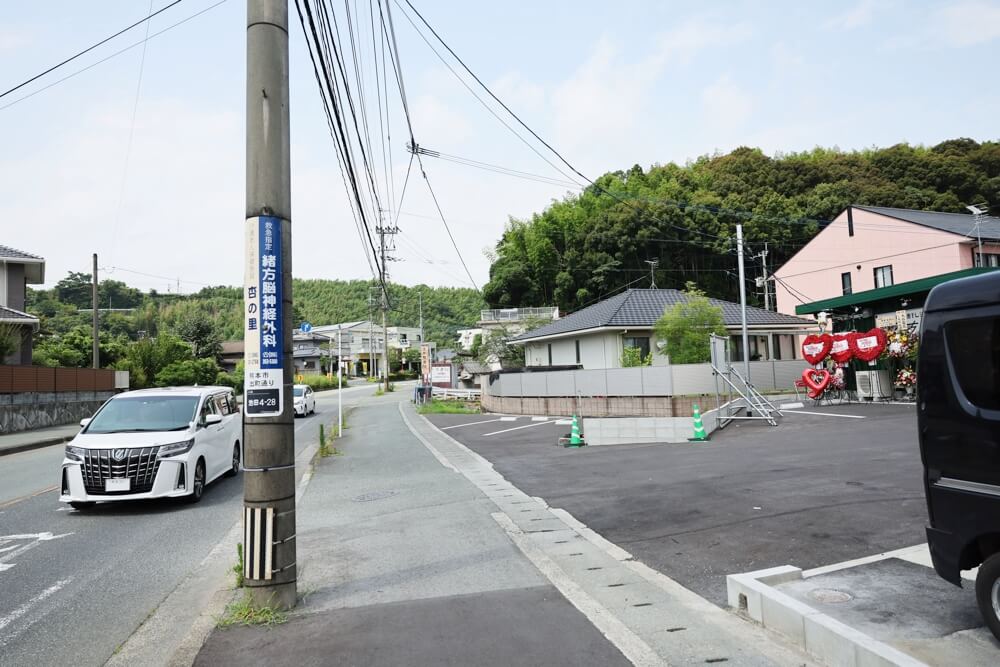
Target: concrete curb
820	635
207	587
28	446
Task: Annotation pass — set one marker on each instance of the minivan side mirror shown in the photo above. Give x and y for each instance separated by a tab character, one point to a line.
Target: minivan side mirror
84	422
213	419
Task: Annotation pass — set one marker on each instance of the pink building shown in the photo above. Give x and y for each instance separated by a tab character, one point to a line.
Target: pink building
869	247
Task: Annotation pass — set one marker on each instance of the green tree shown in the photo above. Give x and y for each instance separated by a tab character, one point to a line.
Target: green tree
10	339
685	327
200	331
632	356
188	372
496	347
75	289
144	359
412	357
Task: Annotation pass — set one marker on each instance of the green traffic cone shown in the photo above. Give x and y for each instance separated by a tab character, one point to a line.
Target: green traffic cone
699	428
574	434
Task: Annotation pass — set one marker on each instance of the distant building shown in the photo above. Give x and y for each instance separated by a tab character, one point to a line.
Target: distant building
516	320
872	248
361	346
18	269
596	336
466	337
231	355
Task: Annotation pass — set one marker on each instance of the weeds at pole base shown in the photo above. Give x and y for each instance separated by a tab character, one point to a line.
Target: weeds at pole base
242	612
238	568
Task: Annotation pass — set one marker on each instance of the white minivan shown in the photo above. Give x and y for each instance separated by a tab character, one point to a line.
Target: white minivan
154	443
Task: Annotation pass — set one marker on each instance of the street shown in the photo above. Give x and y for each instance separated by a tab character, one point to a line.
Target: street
76	585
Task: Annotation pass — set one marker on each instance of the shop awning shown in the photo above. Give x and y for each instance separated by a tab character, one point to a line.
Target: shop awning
893	291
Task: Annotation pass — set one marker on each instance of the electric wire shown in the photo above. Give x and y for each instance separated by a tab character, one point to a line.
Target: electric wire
88	49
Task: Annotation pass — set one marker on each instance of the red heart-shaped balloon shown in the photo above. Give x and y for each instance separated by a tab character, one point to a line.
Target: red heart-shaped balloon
816	380
867	346
815	348
841	351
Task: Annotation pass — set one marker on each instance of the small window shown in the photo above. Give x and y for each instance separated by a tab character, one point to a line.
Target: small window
974	350
208	408
550	354
221	404
987	259
577	351
641	342
883	276
845	283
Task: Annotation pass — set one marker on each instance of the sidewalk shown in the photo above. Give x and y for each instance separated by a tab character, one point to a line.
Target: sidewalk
413	550
21	441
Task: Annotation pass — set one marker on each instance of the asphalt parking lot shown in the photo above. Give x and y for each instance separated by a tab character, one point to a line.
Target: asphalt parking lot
816	490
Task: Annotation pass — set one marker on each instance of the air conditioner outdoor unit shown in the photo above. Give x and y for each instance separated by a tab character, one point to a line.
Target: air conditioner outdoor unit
874	384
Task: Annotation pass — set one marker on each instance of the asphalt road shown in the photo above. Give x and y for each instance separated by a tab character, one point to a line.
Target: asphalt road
74	586
814	491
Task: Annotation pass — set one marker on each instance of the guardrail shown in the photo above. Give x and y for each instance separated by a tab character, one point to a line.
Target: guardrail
517	314
467	394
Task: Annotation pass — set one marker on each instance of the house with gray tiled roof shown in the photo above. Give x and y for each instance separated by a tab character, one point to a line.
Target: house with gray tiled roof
596	336
18	269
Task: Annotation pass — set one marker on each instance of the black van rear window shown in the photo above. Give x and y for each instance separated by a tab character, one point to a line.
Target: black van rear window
974	348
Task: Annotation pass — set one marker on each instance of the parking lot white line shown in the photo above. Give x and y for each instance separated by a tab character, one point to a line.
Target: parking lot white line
539	419
485	421
508	419
516	428
821	414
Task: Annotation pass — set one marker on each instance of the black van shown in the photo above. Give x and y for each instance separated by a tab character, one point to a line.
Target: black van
959	422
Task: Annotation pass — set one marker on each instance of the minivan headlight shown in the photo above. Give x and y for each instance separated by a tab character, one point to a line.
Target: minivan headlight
175	448
75	453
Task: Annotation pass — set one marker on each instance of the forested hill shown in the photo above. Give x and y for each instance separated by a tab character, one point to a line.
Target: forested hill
595	243
445	309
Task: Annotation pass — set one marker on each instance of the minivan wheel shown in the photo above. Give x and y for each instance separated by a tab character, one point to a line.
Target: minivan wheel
198	488
82	505
234	470
988	593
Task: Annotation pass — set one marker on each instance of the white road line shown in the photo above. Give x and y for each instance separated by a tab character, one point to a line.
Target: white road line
485	421
821	414
36	539
516	428
539	419
508	419
26	607
632	647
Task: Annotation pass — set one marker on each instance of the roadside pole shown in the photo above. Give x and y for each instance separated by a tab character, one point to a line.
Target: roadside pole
743	304
269	438
95	320
340	388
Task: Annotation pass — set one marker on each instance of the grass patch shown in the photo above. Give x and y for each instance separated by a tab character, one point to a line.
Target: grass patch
242	612
439	407
238	568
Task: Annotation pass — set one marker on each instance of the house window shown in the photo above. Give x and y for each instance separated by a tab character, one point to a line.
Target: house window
402	338
987	259
550	354
640	342
883	276
845	283
577	350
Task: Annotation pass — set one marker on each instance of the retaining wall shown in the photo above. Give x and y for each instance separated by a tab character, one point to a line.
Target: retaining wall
30	410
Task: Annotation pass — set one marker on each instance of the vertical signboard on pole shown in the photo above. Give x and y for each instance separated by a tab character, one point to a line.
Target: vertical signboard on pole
264	344
425	362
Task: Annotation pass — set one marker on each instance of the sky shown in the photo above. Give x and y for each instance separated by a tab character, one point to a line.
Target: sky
140	158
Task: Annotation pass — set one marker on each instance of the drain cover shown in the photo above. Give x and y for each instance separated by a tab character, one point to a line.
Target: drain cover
373	495
829	595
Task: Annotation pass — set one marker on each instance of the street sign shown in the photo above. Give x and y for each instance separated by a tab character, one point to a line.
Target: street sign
305	327
264	319
425	361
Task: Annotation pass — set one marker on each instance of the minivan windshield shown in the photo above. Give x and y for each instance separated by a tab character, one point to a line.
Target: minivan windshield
136	414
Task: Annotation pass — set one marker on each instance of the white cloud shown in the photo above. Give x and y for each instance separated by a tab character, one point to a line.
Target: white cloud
519	93
726	104
968	24
13	39
857	16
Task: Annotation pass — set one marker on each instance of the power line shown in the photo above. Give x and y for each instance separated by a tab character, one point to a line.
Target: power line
872	259
113	55
88	49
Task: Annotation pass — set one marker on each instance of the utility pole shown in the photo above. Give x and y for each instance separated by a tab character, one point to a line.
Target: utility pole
743	303
763	280
420	300
95	320
384	231
269	439
340	388
371	334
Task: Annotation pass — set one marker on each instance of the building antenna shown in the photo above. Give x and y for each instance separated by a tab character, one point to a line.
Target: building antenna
653	263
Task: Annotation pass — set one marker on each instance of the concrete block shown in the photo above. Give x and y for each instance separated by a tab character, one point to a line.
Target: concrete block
773	576
870	652
784	614
830	641
744	595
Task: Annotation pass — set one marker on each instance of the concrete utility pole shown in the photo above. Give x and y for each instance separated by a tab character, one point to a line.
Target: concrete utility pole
767	290
743	303
384	231
340	388
95	321
269	446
